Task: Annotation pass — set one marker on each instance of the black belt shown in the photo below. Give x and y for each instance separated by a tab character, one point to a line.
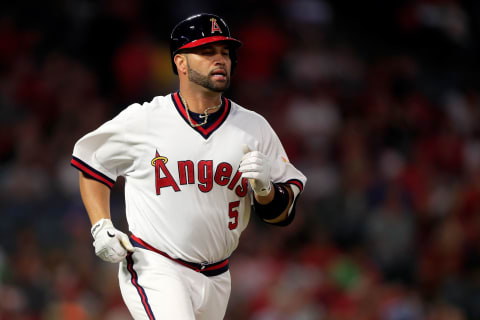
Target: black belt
209	270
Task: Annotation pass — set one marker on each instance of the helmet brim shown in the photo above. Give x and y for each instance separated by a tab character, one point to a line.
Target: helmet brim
200	42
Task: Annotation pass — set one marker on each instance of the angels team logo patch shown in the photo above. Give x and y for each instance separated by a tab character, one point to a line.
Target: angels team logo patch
205	174
215	26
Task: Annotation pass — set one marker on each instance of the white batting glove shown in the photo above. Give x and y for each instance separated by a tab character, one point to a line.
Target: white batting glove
110	244
256	167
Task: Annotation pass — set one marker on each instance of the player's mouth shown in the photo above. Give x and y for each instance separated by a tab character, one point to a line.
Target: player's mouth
219	74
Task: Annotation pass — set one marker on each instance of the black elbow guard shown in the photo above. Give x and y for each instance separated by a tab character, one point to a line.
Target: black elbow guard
289	218
276	206
285	222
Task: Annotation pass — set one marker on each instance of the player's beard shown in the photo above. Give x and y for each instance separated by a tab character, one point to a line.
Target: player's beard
206	81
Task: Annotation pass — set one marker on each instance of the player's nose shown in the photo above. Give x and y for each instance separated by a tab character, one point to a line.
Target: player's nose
220	59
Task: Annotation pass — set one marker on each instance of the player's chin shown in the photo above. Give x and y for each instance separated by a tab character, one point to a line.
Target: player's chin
220	85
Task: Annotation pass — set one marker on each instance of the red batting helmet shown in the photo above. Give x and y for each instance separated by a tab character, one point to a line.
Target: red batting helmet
198	30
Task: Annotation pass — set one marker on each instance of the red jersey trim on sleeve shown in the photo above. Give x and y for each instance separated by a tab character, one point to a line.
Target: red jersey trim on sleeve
95	174
296	182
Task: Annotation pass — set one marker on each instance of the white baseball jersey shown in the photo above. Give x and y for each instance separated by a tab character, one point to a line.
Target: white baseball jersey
183	192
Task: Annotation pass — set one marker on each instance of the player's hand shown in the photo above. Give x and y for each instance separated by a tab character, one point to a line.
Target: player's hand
110	244
256	167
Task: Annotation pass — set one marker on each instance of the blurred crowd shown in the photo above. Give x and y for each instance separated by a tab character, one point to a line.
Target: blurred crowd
378	103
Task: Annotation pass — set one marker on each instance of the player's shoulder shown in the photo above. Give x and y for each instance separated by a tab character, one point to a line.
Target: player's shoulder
138	109
244	113
161	101
155	103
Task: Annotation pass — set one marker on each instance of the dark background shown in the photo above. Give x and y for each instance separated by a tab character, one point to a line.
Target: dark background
377	102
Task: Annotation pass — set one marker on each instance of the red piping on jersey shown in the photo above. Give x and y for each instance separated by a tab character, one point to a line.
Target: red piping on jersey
298	183
91	173
194	266
204	131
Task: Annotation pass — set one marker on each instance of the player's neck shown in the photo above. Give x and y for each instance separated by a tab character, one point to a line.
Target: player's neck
199	101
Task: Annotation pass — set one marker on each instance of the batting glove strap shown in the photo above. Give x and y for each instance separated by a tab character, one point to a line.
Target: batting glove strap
275	207
101	225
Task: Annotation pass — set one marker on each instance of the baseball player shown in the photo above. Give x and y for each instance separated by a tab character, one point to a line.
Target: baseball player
195	165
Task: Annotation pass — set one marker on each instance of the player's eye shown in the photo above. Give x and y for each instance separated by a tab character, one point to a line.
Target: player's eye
207	51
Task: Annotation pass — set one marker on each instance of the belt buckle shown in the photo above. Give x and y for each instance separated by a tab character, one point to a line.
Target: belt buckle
203	265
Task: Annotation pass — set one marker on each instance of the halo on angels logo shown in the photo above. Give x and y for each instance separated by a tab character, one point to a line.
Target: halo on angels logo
164	159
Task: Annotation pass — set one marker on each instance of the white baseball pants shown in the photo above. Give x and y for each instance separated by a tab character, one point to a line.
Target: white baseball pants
155	287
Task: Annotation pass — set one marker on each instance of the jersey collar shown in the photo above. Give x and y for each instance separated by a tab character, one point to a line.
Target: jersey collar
204	132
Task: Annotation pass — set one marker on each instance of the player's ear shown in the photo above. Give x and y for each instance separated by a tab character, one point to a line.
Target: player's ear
181	63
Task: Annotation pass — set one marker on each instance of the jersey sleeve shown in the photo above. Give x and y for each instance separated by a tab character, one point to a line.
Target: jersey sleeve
282	170
110	151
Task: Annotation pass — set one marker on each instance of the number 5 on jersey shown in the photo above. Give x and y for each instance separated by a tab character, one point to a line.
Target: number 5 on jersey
233	214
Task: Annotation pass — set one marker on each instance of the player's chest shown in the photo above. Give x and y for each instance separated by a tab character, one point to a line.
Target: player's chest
174	158
175	140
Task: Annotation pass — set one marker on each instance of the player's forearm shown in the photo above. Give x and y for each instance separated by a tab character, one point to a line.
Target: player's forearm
268	198
95	197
